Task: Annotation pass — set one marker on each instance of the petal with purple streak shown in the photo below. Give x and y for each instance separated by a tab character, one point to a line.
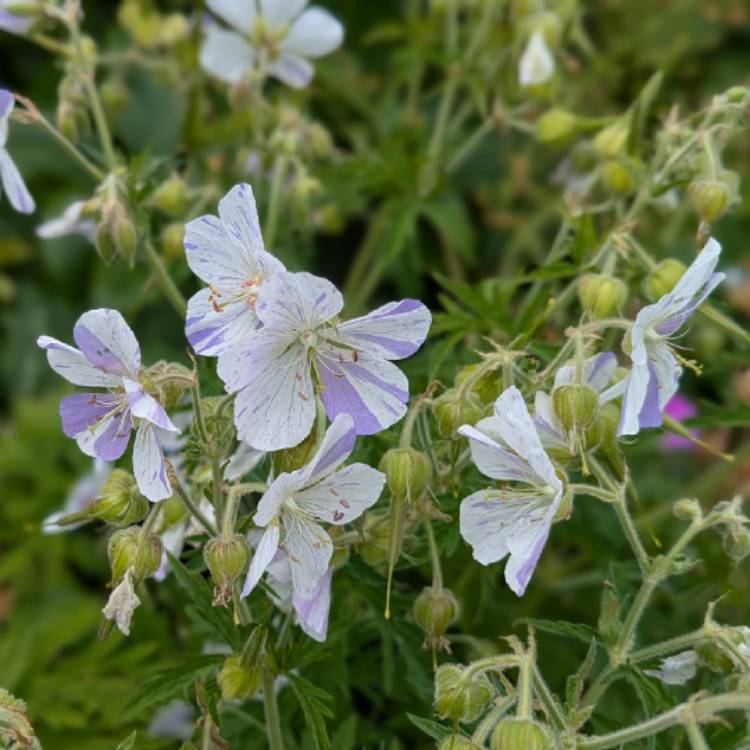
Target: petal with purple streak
108	343
213	325
69	362
312	612
148	464
147	407
14	186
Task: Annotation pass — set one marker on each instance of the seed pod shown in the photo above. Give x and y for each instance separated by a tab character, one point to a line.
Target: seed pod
520	734
460	696
617	177
170	196
434	611
687	509
227	560
611	141
407	471
119	502
172	240
576	406
557	126
237	681
709	198
456	742
601	296
487	386
453	410
663	278
128	551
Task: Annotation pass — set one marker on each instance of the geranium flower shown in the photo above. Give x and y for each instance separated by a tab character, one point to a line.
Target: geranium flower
296	502
110	358
69	222
227	253
302	347
13	184
13	22
536	65
510	521
655	375
284	34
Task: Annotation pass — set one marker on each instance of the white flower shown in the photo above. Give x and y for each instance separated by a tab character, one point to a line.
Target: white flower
284	33
69	222
655	375
536	65
514	522
295	503
122	603
13	183
677	669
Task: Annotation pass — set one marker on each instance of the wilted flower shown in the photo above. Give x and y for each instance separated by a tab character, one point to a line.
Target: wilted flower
282	33
122	603
70	222
677	669
655	374
296	501
109	357
227	252
302	346
13	183
537	65
513	522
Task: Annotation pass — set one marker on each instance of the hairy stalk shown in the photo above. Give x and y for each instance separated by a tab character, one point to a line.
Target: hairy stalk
271	707
487	724
548	700
193	509
274	204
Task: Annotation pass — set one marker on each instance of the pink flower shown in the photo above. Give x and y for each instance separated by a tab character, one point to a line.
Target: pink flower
680	409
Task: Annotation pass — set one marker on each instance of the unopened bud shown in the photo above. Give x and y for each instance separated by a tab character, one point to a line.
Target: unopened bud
119	502
557	126
609	421
227	560
459	694
127	550
15	725
520	734
435	609
237	681
72	120
488	386
167	382
172	241
709	198
453	410
115	96
687	510
222	435
601	296
170	195
576	406
617	177
663	278
717	656
736	541
291	459
611	141
456	742
407	471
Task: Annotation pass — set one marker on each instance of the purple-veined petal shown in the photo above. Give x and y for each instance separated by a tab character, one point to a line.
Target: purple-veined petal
597	371
336	447
240	14
69	362
292	303
296	72
15	24
239	215
80	411
309	549
108	343
226	55
14	186
212	326
264	553
547	424
343	496
7	104
270	504
314	34
281	12
676	322
374	391
100	424
147	407
393	331
122	603
677	669
148	464
312	612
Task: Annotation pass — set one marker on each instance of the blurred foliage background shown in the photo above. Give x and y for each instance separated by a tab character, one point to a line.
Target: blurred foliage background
496	218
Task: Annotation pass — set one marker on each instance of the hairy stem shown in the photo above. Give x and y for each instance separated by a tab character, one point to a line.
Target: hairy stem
273	726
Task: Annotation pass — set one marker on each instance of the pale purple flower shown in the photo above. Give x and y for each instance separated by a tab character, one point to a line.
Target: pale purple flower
655	375
101	422
227	252
295	503
13	184
677	669
679	408
13	22
289	33
68	223
537	65
302	349
510	522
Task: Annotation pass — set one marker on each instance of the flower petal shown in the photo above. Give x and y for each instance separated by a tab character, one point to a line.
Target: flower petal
294	71
226	55
239	215
314	34
122	603
239	14
337	446
108	343
677	669
68	223
147	407
537	64
15	24
213	326
14	186
281	12
309	549
69	362
597	371
264	554
547	424
148	464
393	331
101	429
312	612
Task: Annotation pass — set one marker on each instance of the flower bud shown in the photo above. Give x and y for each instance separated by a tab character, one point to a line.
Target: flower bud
609	420
736	541
407	471
687	510
520	734
116	233
487	386
15	725
172	241
167	382
576	406
128	551
611	141
459	695
219	422
434	610
601	296
119	502
715	656
557	126
709	198
456	742
376	534
617	177
115	96
227	560
170	196
454	410
663	278
239	682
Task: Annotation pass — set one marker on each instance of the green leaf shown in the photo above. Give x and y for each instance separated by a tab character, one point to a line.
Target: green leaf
448	215
580	632
315	704
345	736
128	743
431	728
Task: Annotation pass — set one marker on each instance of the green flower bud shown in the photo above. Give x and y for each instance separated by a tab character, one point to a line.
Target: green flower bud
687	510
295	458
576	406
219	422
237	681
520	734
116	234
456	742
435	610
609	420
407	471
170	196
736	94
709	198
557	126
172	241
227	560
452	411
15	725
72	119
119	502
460	696
736	541
173	512
617	177
611	141
376	534
115	96
487	387
601	296
663	278
127	550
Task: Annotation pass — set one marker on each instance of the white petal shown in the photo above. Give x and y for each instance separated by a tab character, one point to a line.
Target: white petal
312	612
148	464
122	603
69	362
273	498
536	64
314	34
262	557
68	223
240	14
239	215
241	462
147	407
336	447
212	326
108	343
666	370
677	669
292	70
309	548
173	541
547	424
596	372
281	12
226	55
14	186
7	104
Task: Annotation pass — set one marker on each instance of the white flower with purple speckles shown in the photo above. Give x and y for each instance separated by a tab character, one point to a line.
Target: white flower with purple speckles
13	184
109	357
514	522
655	375
537	65
284	33
295	503
302	347
14	22
227	253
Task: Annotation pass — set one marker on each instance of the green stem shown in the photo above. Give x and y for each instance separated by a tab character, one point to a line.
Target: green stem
488	722
151	519
171	292
200	422
437	571
549	701
192	507
631	533
693	731
218	492
247	488
230	513
274	205
523	704
627	635
273	727
469	146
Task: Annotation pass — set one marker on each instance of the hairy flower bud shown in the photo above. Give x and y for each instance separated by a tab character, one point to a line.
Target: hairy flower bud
167	382
456	742
608	420
687	509
520	734
663	278
227	560
237	681
715	655
434	610
576	406
557	126
376	534
407	471
601	296
116	233
617	177
459	694
172	240
610	142
454	410
736	541
709	198
291	459
115	96
219	423
170	196
128	551
488	386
